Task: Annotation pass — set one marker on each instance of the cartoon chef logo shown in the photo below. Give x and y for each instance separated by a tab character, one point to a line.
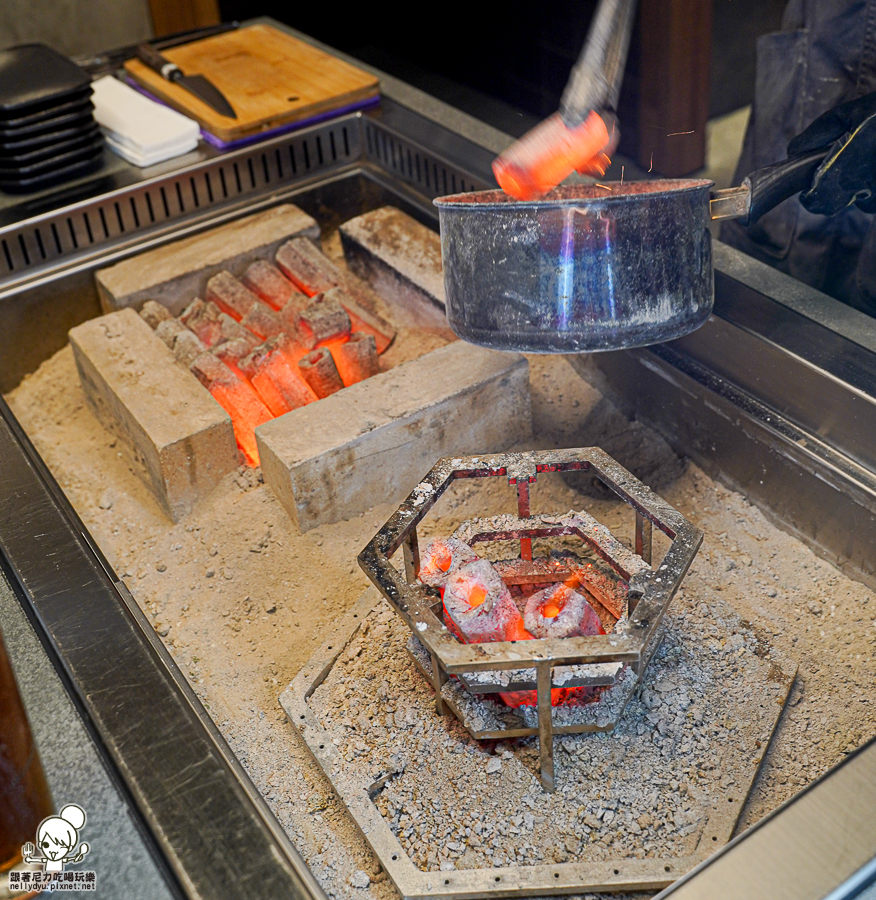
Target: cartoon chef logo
57	838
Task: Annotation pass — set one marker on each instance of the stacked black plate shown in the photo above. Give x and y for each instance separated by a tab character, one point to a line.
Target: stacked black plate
47	130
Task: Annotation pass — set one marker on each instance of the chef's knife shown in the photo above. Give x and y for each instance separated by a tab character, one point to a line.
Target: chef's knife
201	87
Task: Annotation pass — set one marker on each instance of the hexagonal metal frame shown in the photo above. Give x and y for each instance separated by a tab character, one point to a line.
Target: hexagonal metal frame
359	795
633	642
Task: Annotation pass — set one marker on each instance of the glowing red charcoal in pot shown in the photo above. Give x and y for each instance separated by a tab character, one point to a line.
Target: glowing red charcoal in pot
308	268
356	359
263	321
280	387
203	319
323	321
318	369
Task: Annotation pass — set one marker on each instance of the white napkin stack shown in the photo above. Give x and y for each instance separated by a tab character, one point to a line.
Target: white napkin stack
138	129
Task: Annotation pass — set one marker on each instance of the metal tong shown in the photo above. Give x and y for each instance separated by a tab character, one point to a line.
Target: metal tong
580	135
596	77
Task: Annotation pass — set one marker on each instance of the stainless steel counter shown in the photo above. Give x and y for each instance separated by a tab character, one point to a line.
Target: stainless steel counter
775	395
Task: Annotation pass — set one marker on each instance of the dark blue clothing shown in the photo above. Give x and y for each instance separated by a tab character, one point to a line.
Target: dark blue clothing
824	55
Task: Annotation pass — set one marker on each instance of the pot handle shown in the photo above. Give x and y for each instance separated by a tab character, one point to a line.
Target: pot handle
765	188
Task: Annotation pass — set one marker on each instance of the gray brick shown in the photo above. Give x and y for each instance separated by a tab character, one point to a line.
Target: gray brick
372	442
396	255
181	440
178	272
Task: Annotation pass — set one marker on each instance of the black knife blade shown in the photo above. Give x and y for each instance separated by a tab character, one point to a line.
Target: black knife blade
198	85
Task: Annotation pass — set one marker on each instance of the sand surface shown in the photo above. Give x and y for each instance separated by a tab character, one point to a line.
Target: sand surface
242	600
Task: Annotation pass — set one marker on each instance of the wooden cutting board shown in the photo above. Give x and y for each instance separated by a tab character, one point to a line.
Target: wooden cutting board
268	76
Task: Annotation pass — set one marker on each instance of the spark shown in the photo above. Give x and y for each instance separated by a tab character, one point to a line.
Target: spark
652	163
622	174
674	133
603	186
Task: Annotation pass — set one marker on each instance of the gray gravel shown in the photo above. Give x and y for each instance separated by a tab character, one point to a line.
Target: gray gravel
674	772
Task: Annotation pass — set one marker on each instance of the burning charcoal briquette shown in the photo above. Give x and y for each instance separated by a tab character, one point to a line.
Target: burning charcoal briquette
232	352
357	358
186	347
324	320
168	330
237	398
232	330
319	371
269	283
307	267
558	612
203	319
155	313
363	320
272	376
230	295
480	607
441	557
263	321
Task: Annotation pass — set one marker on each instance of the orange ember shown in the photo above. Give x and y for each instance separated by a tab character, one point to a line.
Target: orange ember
551	611
477	595
548	154
247	412
443	559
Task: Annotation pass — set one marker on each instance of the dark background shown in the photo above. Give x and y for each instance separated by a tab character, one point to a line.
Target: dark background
497	60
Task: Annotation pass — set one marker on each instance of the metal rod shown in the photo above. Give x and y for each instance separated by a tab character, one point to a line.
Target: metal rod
523	512
411	551
643	537
439	679
545	726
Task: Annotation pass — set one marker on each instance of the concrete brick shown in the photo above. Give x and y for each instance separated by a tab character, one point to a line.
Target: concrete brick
372	442
180	438
177	273
396	255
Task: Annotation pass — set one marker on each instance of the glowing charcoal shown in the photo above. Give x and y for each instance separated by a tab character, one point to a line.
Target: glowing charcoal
357	358
479	605
323	321
319	371
232	330
307	267
558	612
363	320
269	283
263	321
237	398
441	558
203	319
230	295
187	348
271	374
232	352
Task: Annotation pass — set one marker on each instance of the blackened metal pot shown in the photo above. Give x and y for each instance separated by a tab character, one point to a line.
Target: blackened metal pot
585	268
595	266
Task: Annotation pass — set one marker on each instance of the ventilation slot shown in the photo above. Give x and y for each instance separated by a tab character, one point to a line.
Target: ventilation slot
431	176
229	179
40	244
9	264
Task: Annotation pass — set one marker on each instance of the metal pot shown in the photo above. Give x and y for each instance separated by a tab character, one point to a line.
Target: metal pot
593	267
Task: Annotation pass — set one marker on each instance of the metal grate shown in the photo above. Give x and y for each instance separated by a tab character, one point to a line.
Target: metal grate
430	175
46	240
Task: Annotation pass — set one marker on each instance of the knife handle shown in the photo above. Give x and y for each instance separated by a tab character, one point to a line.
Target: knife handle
158	63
